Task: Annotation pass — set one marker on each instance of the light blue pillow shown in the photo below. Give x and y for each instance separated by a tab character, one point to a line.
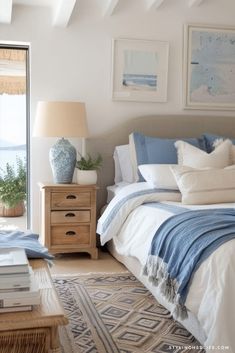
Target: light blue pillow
210	139
26	240
153	150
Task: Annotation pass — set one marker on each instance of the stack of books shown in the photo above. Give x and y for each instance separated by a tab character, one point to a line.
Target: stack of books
18	288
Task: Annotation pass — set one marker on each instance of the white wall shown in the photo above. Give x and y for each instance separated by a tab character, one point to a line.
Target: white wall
75	63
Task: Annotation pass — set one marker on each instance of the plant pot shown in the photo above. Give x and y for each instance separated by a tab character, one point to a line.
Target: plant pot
86	177
16	211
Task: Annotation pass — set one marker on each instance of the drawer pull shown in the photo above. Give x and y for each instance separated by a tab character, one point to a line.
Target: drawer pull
71	197
70	233
70	214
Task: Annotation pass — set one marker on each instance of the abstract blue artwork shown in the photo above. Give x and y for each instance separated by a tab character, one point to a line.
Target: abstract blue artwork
210	65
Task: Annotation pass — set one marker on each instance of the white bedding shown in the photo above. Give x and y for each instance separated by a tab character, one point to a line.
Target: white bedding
113	190
212	291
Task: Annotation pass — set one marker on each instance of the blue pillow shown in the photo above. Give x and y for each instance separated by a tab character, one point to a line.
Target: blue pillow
26	240
209	139
153	150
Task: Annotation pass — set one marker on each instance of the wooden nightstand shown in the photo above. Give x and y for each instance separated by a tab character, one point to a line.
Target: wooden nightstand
68	214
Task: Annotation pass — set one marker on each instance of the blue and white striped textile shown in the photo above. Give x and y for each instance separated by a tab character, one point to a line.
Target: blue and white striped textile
181	244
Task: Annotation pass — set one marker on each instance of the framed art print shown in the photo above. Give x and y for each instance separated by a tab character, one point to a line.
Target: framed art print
209	67
139	70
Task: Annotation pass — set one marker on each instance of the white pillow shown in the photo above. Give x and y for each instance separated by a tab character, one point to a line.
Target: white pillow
113	190
159	176
117	168
134	164
122	154
194	157
205	186
218	142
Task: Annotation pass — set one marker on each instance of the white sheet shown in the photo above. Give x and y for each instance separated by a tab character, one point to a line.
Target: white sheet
113	190
127	200
212	292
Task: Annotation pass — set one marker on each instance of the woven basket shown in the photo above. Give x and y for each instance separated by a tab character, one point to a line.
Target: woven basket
16	211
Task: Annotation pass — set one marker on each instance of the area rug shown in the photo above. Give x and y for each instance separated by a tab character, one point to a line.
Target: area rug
115	313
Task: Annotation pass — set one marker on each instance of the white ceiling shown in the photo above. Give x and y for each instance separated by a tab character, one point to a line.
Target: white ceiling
63	9
35	2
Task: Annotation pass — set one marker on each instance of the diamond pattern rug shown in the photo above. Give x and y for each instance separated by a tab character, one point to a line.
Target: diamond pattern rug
115	313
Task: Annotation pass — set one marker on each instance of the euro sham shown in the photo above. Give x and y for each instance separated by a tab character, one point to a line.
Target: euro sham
209	140
154	150
124	158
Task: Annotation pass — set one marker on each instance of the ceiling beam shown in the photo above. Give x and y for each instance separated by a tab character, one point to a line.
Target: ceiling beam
154	4
5	11
110	7
192	3
62	12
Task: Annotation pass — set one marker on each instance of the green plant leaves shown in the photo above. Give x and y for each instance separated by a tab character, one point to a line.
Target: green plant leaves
89	163
13	184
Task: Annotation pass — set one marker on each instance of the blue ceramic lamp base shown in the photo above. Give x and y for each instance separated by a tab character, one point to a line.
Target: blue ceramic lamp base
62	159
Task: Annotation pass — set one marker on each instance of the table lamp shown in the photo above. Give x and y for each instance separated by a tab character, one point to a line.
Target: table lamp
62	119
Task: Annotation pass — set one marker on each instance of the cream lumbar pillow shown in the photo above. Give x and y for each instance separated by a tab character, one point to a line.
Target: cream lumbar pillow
205	186
159	176
192	156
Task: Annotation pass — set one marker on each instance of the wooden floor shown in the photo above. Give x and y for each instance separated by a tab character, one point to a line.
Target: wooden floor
82	263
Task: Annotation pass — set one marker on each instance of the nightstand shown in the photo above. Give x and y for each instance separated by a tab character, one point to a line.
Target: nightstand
68	215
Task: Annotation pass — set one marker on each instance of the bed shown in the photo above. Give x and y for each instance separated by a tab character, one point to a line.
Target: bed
210	322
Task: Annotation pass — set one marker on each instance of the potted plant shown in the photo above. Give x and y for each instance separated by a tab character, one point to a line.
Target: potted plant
13	189
87	169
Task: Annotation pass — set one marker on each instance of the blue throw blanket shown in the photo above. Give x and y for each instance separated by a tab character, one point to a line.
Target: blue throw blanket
26	240
180	245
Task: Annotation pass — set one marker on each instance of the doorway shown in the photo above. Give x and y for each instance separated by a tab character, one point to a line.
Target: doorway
14	137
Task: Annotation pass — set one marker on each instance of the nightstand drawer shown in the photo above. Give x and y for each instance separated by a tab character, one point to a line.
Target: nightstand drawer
62	235
70	199
70	216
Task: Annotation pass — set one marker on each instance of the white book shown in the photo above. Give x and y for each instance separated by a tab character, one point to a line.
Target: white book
31	293
14	285
16	309
17	276
15	289
15	281
13	260
15	302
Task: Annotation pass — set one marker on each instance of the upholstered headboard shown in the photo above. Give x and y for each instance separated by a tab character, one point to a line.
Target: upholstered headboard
162	126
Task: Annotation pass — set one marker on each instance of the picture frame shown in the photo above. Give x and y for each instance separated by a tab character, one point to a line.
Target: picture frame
139	70
209	67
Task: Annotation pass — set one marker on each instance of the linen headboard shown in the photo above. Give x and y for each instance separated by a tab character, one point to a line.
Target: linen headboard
162	126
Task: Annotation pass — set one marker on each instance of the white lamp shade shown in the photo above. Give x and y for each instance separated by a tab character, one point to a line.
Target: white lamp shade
60	119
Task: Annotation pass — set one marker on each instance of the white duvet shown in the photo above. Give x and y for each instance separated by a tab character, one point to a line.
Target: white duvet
211	297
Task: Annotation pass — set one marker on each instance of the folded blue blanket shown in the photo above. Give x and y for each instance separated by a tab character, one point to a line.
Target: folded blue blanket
26	240
179	247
